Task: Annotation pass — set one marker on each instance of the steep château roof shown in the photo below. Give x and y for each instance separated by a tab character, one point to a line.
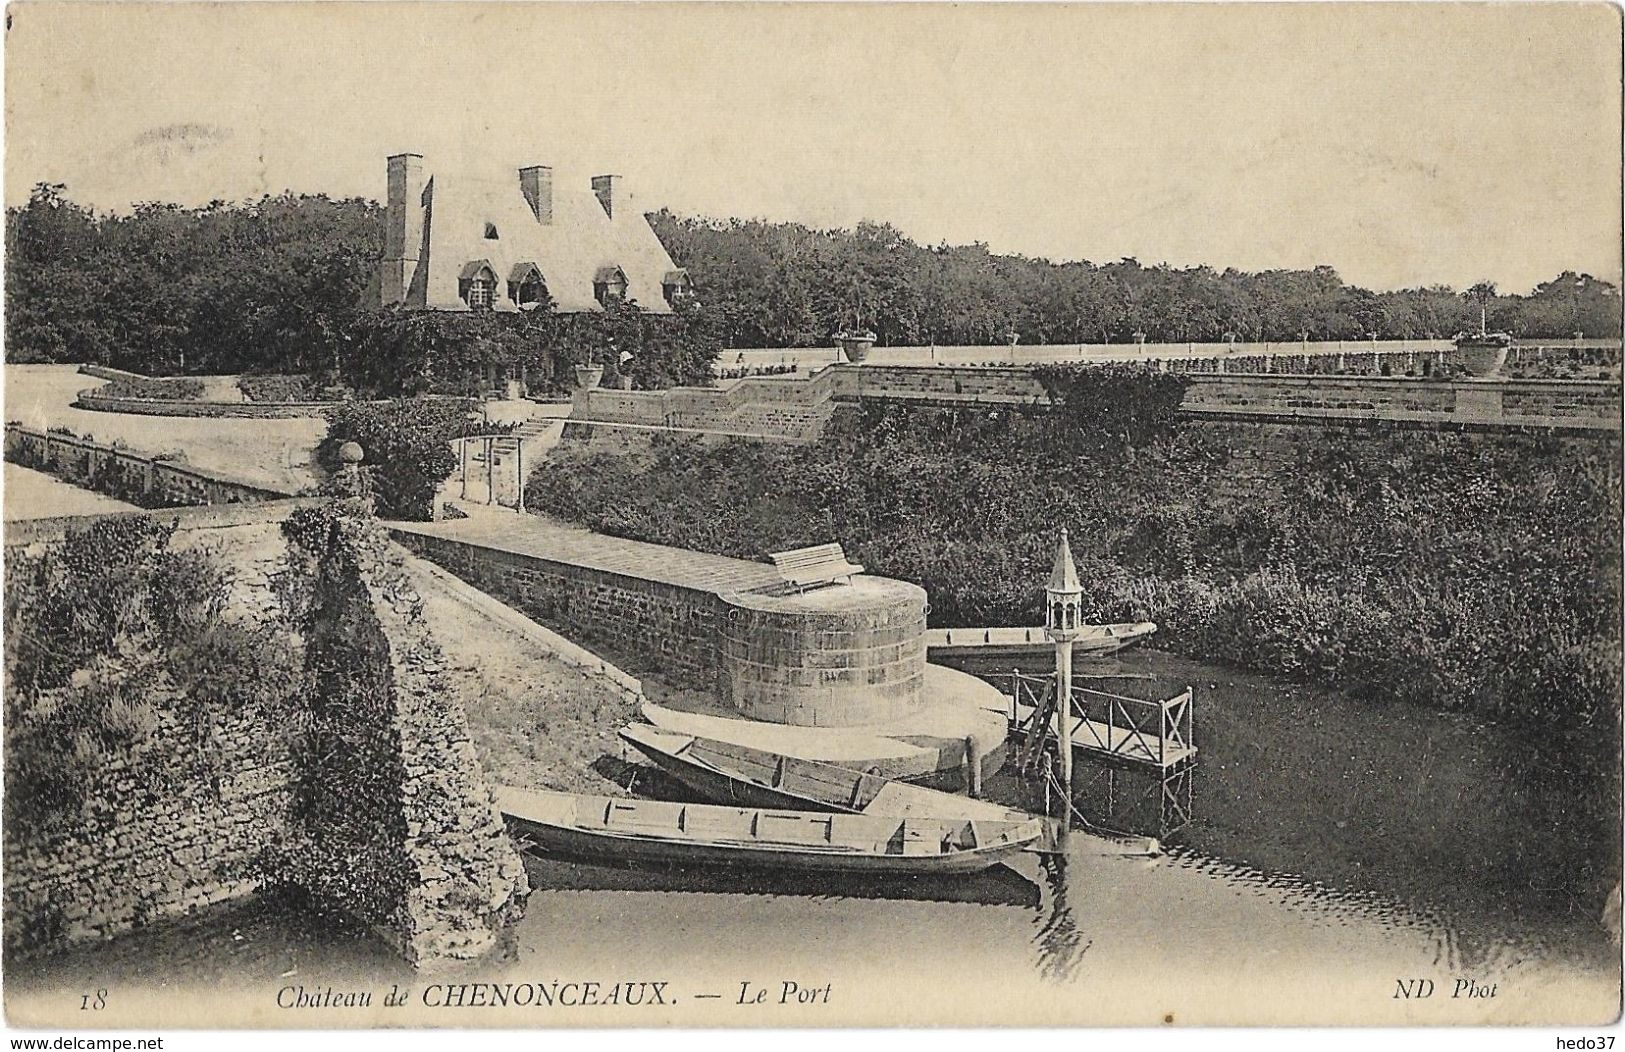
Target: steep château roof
446	228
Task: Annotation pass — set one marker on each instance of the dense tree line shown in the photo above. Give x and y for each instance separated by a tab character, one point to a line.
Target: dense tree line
276	285
786	285
267	286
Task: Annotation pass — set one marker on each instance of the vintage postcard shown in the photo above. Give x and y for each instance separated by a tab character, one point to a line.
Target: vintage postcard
748	515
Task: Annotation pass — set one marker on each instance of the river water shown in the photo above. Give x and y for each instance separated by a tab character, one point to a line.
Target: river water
1338	849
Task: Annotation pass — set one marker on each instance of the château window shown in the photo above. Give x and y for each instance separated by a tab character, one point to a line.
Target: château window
676	286
525	285
609	283
477	285
490	231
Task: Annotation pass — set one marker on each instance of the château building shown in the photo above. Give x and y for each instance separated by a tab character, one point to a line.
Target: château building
508	241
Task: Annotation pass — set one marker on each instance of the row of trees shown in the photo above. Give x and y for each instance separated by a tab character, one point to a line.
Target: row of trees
277	285
268	286
786	285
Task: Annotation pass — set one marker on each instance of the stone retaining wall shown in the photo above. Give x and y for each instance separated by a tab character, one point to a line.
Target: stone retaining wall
797	409
123	473
940	384
1570	406
429	866
664	626
838	657
138	859
1263	454
1190	355
151	848
785	408
404	834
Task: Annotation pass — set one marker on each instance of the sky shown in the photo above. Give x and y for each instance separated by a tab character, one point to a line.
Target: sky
1403	144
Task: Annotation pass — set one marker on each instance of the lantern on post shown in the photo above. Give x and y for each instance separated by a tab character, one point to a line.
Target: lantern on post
1063	614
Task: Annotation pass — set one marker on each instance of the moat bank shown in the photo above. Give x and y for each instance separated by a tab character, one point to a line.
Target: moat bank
1419	857
1467	572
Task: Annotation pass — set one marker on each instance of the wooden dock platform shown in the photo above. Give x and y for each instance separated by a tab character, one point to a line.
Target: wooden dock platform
1142	751
1118	740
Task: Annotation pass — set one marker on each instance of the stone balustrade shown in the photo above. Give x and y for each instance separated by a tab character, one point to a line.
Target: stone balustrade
790	408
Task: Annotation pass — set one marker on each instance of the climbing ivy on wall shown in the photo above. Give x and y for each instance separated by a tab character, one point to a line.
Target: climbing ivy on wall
348	827
1100	406
121	660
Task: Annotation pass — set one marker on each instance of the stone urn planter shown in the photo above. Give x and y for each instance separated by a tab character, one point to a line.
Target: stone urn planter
588	376
855	345
1483	354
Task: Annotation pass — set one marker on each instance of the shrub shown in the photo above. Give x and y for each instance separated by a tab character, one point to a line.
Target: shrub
1127	405
165	388
276	388
407	448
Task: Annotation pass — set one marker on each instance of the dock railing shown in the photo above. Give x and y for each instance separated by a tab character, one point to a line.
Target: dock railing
1160	732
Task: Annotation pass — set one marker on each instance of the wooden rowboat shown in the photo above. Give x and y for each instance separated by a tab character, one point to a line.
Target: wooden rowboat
726	772
1093	641
623	830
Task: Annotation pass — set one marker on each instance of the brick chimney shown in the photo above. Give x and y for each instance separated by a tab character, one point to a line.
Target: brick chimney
606	187
403	226
536	183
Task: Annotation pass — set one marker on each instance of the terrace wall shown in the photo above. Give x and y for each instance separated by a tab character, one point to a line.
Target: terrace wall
431	870
664	626
126	474
797	409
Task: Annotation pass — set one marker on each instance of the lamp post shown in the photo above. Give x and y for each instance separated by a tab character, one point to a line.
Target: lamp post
1062	615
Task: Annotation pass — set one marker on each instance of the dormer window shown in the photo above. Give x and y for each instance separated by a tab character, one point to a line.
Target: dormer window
525	286
490	231
609	283
676	286
477	285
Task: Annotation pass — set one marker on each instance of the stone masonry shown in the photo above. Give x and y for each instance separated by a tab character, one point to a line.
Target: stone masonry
797	409
444	880
440	848
664	625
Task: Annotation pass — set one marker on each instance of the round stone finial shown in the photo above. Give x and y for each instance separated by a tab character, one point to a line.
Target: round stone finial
350	453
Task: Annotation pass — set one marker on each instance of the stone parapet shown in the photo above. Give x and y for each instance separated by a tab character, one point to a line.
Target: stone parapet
385	814
140	478
794	409
841	656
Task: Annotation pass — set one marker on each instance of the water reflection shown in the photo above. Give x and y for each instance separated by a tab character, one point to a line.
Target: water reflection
1364	810
1059	941
1381	860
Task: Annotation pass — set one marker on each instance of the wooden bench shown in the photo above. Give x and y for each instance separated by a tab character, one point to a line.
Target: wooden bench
802	568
